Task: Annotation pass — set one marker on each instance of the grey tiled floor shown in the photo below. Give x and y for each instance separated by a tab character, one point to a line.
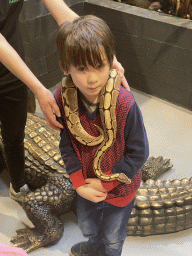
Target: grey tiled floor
169	131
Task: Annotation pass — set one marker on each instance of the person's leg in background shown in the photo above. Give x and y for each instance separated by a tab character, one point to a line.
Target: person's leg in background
2	160
13	115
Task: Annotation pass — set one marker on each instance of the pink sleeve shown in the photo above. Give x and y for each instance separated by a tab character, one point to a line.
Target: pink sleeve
6	250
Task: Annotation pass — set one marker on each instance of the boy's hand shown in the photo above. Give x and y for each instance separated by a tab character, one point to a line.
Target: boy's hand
91	194
117	65
95	184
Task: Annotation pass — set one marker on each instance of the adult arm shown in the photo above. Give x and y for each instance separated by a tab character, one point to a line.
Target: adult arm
11	59
60	11
117	65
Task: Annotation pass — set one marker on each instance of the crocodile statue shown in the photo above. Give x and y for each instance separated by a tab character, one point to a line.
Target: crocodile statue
161	207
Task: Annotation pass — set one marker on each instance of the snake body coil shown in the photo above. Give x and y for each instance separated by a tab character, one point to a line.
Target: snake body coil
69	97
107	106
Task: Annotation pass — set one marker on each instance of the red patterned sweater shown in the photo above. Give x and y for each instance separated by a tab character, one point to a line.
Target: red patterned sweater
127	155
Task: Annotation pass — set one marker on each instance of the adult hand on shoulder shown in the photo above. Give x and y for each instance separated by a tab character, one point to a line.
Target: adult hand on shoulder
117	65
91	194
49	108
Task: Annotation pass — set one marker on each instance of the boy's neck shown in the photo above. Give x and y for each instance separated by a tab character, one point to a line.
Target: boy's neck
91	107
93	99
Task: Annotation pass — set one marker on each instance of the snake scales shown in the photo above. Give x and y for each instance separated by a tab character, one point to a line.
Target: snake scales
107	106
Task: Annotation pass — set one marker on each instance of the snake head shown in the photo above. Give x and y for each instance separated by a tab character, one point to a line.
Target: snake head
123	178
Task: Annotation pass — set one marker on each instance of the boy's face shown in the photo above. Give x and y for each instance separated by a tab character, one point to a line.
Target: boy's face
90	80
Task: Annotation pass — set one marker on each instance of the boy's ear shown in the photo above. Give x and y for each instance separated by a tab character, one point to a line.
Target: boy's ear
65	72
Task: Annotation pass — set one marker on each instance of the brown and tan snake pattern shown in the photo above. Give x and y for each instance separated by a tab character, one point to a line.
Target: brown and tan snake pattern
70	103
107	106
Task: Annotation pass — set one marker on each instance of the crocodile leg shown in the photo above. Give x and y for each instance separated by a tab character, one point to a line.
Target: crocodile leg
48	229
43	208
155	167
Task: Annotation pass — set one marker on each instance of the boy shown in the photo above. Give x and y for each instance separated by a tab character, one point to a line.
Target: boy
86	50
14	76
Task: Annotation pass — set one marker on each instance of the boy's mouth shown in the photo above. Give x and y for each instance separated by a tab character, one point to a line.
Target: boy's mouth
93	89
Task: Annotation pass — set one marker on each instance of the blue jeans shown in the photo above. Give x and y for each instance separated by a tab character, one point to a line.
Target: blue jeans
105	226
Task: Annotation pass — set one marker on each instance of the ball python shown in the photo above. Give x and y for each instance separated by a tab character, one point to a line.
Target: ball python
107	107
69	98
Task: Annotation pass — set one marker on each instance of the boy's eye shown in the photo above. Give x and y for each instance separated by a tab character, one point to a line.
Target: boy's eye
81	68
99	66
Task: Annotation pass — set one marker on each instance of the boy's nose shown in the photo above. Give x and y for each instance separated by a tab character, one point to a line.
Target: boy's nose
92	79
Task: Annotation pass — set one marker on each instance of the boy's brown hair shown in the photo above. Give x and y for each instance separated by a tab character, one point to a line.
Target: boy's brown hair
82	42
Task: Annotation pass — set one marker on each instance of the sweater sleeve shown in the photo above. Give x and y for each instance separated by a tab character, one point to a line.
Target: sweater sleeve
136	144
72	164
